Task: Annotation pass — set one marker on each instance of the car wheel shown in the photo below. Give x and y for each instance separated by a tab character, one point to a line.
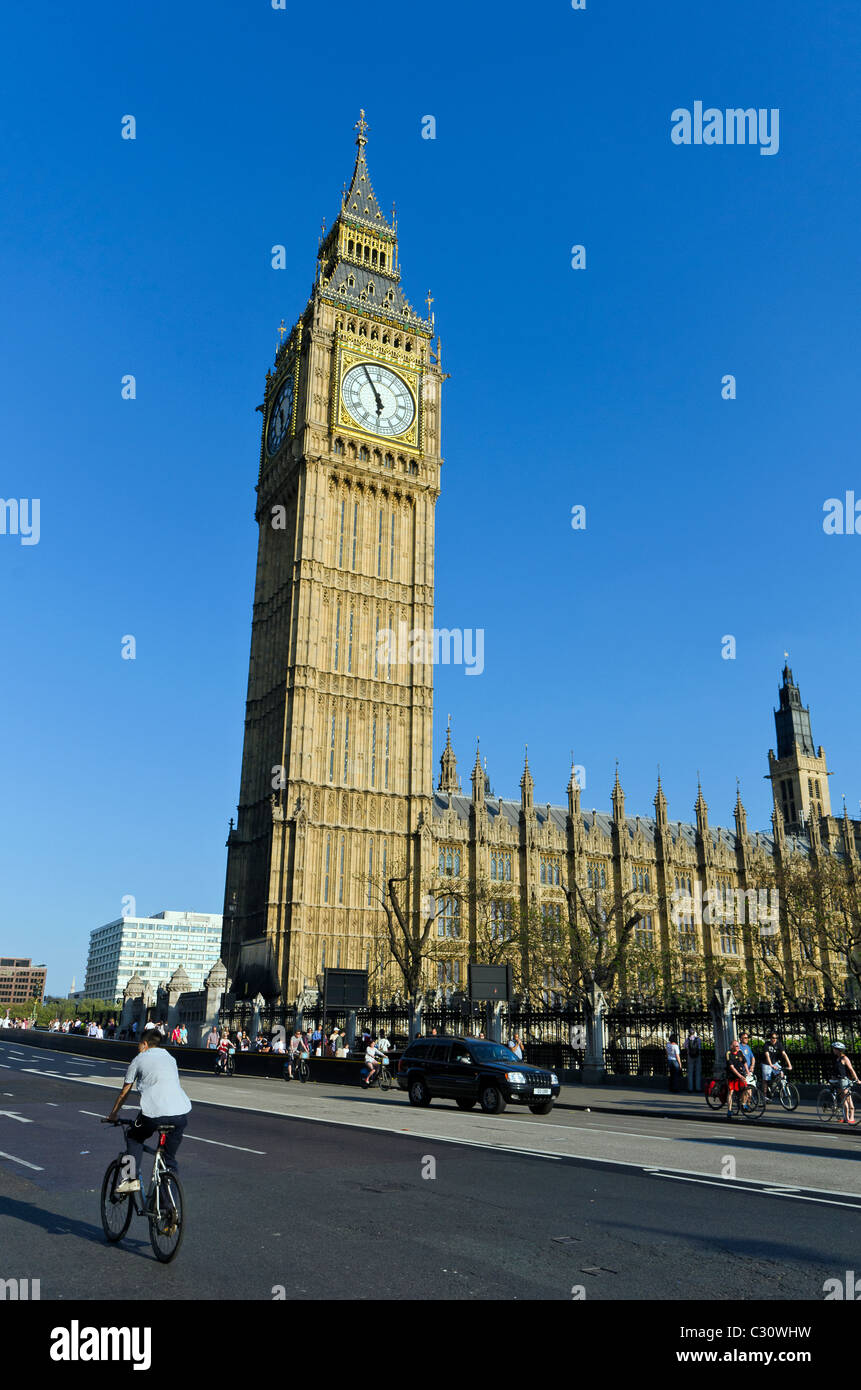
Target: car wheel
492	1100
419	1093
465	1104
543	1109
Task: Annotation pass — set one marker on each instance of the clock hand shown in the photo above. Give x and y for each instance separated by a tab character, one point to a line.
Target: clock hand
378	398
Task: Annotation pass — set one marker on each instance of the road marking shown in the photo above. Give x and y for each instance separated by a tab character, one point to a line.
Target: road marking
13	1115
51	1102
730	1184
5	1066
222	1145
22	1161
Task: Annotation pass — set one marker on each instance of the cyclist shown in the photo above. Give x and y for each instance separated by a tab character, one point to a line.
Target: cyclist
153	1073
845	1075
372	1052
224	1046
774	1059
295	1051
736	1075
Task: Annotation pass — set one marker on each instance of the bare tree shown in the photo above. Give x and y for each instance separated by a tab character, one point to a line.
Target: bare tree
600	939
820	909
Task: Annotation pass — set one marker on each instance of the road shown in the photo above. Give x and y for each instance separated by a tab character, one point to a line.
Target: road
330	1192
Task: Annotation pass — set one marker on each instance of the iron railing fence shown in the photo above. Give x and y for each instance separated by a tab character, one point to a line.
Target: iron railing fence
636	1035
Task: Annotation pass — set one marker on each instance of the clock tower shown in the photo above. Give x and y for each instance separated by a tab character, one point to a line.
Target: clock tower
337	781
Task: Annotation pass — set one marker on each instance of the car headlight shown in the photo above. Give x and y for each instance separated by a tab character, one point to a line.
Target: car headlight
517	1077
554	1079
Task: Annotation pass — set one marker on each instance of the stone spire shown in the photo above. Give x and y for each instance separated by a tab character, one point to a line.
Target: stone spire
740	814
527	785
660	804
573	793
848	833
618	798
702	812
478	776
448	778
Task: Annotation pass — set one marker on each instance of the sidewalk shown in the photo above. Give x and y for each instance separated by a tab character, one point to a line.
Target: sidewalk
686	1105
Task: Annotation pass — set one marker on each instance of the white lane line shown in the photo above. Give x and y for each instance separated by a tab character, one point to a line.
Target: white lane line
5	1066
52	1102
198	1139
729	1184
22	1161
222	1145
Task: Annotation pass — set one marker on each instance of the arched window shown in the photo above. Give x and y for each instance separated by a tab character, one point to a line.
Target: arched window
339	446
493	866
350	245
364	454
382	260
326	869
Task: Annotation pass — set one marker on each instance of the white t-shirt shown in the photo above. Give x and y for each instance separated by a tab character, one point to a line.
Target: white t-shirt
383	1045
155	1076
370	1054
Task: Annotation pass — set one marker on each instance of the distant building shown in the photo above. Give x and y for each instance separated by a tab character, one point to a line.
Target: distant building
21	980
152	948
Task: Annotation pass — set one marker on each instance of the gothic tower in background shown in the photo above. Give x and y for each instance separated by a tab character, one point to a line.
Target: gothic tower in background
337	779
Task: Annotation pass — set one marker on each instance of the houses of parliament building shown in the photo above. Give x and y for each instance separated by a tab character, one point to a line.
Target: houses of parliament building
338	789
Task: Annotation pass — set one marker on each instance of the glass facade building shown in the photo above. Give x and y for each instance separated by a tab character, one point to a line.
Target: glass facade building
153	948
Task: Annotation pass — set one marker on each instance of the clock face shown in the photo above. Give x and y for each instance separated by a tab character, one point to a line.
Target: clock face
377	399
280	416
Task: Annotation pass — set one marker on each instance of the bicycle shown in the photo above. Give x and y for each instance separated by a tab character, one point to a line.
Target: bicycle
829	1102
300	1066
382	1077
164	1206
716	1093
780	1088
224	1063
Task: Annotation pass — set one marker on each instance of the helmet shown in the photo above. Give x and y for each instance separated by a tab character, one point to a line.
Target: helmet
838	1047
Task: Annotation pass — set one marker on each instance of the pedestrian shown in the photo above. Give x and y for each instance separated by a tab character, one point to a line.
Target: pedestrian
737	1072
174	1036
694	1058
183	1036
514	1044
674	1062
212	1038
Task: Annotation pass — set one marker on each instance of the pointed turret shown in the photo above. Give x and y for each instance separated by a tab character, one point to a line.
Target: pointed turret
702	812
779	830
527	785
448	778
848	833
573	792
357	264
660	804
477	778
740	814
618	798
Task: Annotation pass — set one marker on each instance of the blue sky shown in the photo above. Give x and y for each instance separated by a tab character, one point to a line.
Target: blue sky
600	387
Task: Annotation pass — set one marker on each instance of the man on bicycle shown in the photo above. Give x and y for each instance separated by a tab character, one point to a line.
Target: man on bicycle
845	1075
154	1074
774	1059
737	1072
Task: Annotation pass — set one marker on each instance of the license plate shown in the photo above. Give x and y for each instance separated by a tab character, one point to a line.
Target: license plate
542	1091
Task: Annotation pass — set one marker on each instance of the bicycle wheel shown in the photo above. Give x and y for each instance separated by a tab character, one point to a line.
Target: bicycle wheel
715	1095
789	1095
385	1079
230	1066
304	1071
167	1226
116	1211
827	1106
753	1106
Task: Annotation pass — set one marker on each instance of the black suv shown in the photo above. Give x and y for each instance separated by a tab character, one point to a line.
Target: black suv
470	1070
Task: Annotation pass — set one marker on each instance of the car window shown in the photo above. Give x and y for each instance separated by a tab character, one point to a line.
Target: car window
460	1054
440	1052
491	1052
